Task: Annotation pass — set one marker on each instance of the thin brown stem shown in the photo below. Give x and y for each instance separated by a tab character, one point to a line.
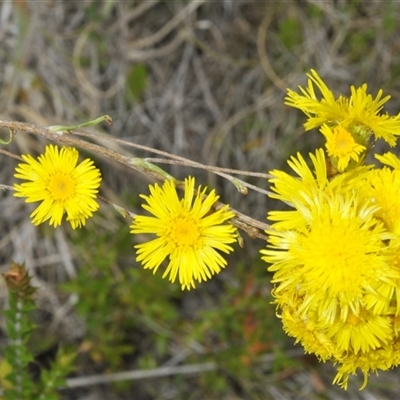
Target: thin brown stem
251	226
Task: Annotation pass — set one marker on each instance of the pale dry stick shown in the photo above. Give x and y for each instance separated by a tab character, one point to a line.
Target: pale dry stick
66	253
203	81
328	9
44	261
168	27
6	187
61	313
171	100
22	51
164	371
144	55
69	140
217	55
7	238
242	221
133	14
269	71
184	160
84	82
8	154
136	163
220	133
6	14
250	225
178	84
179	160
178	358
141	374
218	172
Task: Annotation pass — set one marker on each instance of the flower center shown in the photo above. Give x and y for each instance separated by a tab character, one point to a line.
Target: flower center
353	319
185	232
61	186
342	142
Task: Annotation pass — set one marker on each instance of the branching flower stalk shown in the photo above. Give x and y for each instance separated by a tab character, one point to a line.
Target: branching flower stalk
67	136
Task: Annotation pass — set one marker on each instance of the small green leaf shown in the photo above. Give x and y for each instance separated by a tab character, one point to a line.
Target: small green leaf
61	129
290	33
137	80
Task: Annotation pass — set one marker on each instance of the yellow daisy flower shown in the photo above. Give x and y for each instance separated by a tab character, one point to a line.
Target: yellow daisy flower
384	358
312	183
332	259
360	112
288	189
305	328
386	290
62	186
361	333
188	232
389	159
382	187
341	146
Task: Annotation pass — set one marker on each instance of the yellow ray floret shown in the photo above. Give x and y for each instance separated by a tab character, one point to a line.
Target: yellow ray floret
341	146
360	111
62	186
189	233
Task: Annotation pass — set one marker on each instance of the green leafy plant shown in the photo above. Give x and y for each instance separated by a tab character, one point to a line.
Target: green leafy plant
119	303
14	376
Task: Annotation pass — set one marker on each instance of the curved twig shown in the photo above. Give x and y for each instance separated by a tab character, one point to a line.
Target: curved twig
251	226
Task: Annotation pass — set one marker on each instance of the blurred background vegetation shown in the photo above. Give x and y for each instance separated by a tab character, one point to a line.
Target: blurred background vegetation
203	79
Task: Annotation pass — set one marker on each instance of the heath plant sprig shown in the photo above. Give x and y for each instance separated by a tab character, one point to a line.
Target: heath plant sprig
17	381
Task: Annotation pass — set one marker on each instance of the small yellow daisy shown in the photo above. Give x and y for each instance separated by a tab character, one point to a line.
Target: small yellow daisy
62	186
306	330
360	112
383	358
188	232
302	191
381	187
341	146
362	333
389	159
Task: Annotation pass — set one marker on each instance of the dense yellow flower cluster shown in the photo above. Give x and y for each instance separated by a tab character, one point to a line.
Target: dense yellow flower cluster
336	254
